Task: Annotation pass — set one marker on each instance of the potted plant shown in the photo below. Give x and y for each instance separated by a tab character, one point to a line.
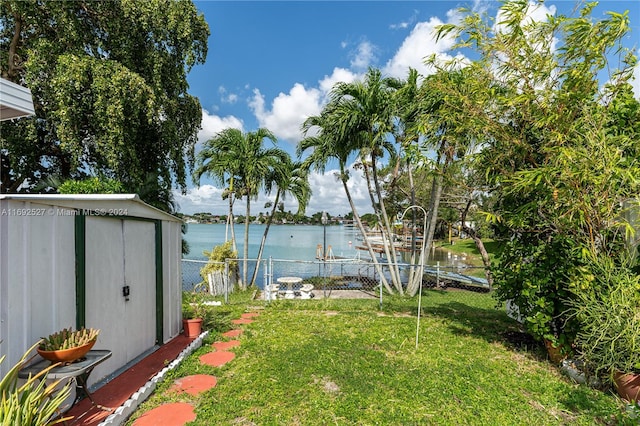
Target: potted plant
192	314
608	313
67	345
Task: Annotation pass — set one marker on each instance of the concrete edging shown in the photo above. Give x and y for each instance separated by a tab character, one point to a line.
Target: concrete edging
122	413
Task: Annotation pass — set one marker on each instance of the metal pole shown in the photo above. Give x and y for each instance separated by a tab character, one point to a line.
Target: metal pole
226	281
324	220
421	272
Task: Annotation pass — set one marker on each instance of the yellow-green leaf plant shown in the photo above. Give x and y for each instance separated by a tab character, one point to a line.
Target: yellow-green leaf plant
33	403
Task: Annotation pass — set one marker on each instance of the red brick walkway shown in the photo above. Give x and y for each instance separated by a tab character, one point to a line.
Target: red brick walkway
119	390
116	392
180	412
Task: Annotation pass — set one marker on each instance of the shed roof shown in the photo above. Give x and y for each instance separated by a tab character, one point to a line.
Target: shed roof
116	204
15	100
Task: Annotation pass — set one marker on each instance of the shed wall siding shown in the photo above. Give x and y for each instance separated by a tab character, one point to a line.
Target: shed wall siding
172	273
38	277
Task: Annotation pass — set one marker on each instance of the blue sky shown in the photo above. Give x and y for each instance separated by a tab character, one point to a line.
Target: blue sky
271	63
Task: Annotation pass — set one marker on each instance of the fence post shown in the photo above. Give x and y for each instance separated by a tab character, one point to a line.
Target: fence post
226	281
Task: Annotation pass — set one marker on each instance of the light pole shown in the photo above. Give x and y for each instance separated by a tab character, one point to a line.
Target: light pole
421	272
324	221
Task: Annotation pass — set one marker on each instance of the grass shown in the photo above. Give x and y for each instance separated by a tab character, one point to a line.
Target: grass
347	362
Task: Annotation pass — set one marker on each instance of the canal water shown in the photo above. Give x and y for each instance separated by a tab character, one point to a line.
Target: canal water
289	242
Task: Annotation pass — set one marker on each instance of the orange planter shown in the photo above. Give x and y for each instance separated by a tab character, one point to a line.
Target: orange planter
628	385
67	355
192	327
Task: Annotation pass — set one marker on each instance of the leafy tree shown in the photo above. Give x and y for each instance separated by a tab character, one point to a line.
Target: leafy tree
561	171
92	185
109	85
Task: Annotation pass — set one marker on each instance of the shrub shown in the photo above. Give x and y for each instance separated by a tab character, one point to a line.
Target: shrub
217	258
608	314
33	403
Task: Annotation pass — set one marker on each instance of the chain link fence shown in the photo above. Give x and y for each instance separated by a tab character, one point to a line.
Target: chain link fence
339	278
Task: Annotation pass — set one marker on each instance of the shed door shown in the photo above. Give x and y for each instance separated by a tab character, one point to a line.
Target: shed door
120	253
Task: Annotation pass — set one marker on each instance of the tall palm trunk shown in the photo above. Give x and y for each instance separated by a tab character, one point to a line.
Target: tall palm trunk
387	239
392	257
230	225
245	249
367	243
415	276
264	237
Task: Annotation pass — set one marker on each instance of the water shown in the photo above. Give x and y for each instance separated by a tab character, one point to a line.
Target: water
295	242
288	243
292	242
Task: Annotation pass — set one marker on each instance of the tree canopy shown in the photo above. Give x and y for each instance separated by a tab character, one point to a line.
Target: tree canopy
109	85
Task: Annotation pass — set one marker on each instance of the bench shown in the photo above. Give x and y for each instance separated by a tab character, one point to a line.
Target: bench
271	292
305	291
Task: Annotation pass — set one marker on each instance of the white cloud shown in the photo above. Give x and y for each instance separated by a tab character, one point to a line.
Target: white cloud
405	24
635	82
225	97
205	198
288	111
364	56
420	44
401	25
328	195
338	75
212	124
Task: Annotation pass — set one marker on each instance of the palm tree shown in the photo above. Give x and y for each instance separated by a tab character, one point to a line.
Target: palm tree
258	163
218	161
291	179
327	144
241	160
364	115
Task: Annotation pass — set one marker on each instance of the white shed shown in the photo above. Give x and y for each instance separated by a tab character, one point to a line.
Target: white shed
104	261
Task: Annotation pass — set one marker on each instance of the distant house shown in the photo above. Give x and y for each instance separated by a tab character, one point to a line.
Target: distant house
105	261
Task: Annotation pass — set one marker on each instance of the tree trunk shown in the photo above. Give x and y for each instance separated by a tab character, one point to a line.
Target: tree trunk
479	245
245	249
392	258
356	218
389	252
434	203
264	237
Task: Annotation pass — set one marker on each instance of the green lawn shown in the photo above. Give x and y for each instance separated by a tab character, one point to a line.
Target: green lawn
345	362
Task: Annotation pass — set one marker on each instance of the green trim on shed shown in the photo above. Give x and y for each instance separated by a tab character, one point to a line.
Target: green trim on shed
159	285
81	267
